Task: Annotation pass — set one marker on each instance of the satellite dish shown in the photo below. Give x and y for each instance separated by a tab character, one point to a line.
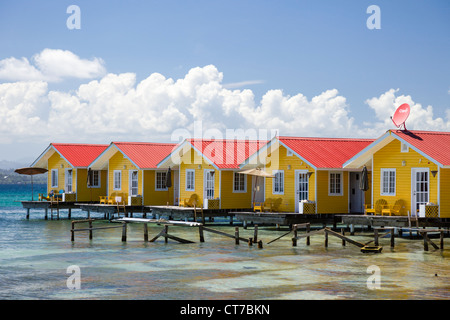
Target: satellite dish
400	115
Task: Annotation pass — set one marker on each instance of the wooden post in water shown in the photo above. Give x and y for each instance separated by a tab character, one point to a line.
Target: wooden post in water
90	229
294	239
145	232
260	244
308	228
72	236
166	231
124	232
28	213
425	242
195	211
69	215
255	234
46	214
250	242
200	232
375	235
236	235
392	238
343	233
326	239
441	240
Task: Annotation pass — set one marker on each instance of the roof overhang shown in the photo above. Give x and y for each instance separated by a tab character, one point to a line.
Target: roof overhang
42	160
174	158
102	161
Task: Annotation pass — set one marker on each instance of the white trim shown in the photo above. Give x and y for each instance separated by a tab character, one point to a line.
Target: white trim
51	179
205	184
99	172
274	172
244	176
371	187
382	170
120	179
404	147
186	180
296	190
413	181
341	184
130	175
66	180
439	191
156	180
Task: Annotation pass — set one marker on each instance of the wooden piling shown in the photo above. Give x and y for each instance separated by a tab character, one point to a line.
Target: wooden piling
375	235
260	244
308	228
124	232
250	242
441	240
72	231
200	232
236	235
145	232
294	239
255	234
392	238
343	234
326	239
90	229
166	231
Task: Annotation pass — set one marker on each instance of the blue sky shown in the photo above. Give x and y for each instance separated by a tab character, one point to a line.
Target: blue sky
298	47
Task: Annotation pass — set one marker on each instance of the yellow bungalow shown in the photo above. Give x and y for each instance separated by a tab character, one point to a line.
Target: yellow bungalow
67	165
411	172
209	172
133	177
310	170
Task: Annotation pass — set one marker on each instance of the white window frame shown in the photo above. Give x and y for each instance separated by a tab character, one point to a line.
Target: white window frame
98	174
164	181
241	176
117	180
382	189
404	147
68	183
341	183
130	184
187	186
54	177
274	182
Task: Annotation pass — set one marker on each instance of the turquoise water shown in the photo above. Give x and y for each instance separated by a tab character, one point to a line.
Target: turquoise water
35	255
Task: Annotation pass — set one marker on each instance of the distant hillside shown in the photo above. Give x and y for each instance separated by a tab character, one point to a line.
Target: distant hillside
5	164
8	176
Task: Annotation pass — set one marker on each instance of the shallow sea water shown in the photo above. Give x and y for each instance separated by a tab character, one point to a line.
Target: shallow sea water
35	255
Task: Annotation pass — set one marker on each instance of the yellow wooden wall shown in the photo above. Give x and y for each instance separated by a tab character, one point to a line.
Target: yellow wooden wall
444	193
235	200
90	194
153	197
56	162
331	203
119	162
280	161
391	156
191	160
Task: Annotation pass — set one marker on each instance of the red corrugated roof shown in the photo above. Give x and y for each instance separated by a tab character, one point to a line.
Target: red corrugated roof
146	155
227	154
325	152
433	143
79	155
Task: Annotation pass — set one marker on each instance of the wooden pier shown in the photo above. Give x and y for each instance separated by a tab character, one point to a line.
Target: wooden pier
53	206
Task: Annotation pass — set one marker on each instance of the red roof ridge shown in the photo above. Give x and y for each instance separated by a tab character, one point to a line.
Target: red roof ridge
325	139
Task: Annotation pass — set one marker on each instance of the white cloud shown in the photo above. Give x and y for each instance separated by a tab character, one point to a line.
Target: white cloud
51	65
116	107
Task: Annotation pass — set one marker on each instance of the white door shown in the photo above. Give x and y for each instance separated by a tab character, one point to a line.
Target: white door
134	184
68	180
176	187
356	194
301	187
208	184
420	188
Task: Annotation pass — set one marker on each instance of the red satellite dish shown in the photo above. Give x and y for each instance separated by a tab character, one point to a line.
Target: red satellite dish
400	115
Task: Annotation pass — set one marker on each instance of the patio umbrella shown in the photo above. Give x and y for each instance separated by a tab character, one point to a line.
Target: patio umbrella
258	172
31	171
364	181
